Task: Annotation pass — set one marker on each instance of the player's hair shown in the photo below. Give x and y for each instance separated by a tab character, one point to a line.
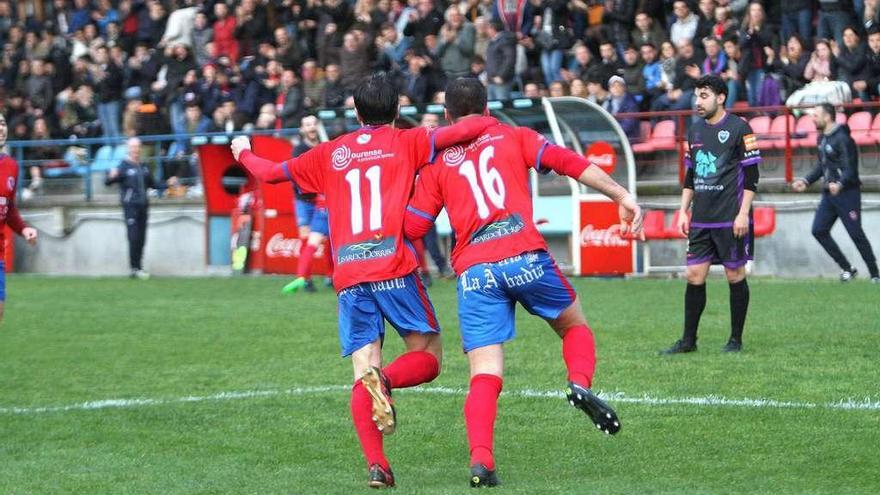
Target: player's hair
713	83
465	96
829	109
375	99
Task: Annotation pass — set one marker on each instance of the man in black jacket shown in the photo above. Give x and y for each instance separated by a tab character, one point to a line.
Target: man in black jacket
108	86
500	60
841	192
134	178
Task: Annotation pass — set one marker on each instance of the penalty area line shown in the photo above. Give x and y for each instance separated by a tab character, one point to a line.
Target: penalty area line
848	404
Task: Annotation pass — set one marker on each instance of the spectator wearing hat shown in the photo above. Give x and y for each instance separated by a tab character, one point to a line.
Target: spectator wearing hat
620	101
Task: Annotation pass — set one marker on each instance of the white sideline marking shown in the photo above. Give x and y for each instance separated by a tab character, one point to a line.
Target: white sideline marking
849	404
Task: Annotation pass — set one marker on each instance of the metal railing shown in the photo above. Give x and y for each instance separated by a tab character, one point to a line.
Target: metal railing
790	139
156	156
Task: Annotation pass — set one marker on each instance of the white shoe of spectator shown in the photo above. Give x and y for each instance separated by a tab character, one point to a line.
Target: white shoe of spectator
140	274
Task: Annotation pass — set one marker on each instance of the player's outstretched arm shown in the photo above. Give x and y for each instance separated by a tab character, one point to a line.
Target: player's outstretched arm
566	162
465	130
262	169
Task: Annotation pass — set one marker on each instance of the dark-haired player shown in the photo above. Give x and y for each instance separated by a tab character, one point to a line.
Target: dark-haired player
720	184
366	177
8	212
501	259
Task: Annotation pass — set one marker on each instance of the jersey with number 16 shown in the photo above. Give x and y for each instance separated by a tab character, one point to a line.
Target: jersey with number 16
485	188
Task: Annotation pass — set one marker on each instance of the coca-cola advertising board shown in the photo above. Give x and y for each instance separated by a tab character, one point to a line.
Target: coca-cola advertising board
275	244
602	250
279	247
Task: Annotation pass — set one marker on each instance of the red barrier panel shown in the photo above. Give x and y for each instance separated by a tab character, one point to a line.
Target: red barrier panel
602	250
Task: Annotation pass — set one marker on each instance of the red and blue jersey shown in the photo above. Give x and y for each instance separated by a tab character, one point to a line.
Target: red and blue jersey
8	212
366	178
486	191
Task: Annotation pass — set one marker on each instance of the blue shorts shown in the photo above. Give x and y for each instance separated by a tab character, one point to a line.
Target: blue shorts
488	293
2	281
363	309
305	210
320	222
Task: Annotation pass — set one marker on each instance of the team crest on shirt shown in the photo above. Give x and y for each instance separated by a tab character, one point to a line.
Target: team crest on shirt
723	136
706	163
10	182
453	156
364	138
341	157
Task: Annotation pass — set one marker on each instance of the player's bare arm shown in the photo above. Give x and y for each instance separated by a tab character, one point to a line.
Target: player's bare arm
684	221
741	222
566	162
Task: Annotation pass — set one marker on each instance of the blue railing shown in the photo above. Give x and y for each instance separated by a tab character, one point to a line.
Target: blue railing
158	160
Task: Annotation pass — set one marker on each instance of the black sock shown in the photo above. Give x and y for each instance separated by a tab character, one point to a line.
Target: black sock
739	307
694	302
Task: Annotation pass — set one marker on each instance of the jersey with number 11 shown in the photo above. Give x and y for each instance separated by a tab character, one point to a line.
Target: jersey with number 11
485	188
366	178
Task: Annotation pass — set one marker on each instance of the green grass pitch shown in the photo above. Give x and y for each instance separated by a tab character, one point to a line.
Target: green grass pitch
219	388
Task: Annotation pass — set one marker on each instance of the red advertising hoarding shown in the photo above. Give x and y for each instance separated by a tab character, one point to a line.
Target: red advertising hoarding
602	250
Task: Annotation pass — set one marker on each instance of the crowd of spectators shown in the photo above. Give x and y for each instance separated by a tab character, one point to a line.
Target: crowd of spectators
116	68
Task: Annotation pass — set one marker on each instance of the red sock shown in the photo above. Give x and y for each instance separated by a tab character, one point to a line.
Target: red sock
480	409
411	369
304	266
369	436
579	353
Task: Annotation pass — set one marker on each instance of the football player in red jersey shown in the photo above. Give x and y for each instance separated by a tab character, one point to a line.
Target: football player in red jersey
501	259
366	178
8	212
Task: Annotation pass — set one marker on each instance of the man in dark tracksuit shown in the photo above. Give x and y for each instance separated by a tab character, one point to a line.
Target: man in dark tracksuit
841	195
134	179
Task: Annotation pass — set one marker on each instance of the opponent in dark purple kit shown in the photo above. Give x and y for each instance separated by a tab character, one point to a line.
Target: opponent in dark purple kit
722	177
